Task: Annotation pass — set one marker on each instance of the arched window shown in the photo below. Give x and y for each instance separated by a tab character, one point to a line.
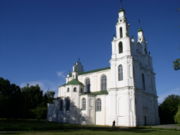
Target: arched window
87	85
67	101
120	72
143	82
145	50
81	90
120	47
67	89
61	105
103	82
121	32
75	89
98	104
83	104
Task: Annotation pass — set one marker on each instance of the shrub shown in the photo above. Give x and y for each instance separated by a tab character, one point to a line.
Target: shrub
177	116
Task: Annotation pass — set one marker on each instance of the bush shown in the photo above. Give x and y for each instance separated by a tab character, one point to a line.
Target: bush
40	112
168	109
177	116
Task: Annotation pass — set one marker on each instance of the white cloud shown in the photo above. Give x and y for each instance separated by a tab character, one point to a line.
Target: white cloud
44	85
60	74
167	93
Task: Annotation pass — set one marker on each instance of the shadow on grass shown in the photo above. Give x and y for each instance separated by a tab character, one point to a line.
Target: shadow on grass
34	125
9	133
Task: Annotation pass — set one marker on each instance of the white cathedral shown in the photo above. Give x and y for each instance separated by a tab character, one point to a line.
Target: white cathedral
124	92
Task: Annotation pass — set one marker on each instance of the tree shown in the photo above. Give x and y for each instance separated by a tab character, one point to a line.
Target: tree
177	116
10	99
168	109
49	96
177	64
26	102
35	102
40	112
32	98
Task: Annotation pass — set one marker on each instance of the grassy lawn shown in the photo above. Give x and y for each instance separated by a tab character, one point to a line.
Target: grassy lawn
91	132
32	127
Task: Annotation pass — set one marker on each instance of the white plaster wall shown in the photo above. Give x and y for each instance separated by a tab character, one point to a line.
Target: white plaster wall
146	105
95	79
111	110
101	115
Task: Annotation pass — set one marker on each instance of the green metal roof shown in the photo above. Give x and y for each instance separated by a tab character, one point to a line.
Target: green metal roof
140	29
73	82
102	92
121	10
92	71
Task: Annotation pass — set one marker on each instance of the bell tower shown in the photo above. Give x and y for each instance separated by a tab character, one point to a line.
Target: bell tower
121	60
122	84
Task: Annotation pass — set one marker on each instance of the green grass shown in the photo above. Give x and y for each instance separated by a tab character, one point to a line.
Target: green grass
94	132
32	127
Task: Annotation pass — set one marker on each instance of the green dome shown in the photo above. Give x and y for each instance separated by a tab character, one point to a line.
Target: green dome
121	10
140	30
73	82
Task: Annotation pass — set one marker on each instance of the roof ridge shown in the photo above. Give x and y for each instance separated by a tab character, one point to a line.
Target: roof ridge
73	82
94	70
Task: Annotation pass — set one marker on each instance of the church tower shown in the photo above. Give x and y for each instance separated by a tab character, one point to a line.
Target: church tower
122	82
121	53
132	89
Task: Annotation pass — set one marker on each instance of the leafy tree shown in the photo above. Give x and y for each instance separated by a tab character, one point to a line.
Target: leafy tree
177	116
49	96
40	112
10	99
32	98
168	109
177	64
35	103
27	102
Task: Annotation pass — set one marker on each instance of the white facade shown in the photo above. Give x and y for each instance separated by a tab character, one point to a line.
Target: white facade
125	92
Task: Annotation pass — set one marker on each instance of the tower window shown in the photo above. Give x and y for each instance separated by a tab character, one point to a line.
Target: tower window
120	47
145	50
121	32
61	105
143	82
67	89
103	82
74	89
120	72
98	104
83	104
87	85
67	104
81	90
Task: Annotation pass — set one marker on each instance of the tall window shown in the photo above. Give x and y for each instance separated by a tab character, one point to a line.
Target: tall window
121	32
98	104
75	89
87	85
120	47
67	104
81	90
103	82
61	105
67	89
83	104
143	82
120	72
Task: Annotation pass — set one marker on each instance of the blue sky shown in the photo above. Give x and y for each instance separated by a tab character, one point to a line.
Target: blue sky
41	39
